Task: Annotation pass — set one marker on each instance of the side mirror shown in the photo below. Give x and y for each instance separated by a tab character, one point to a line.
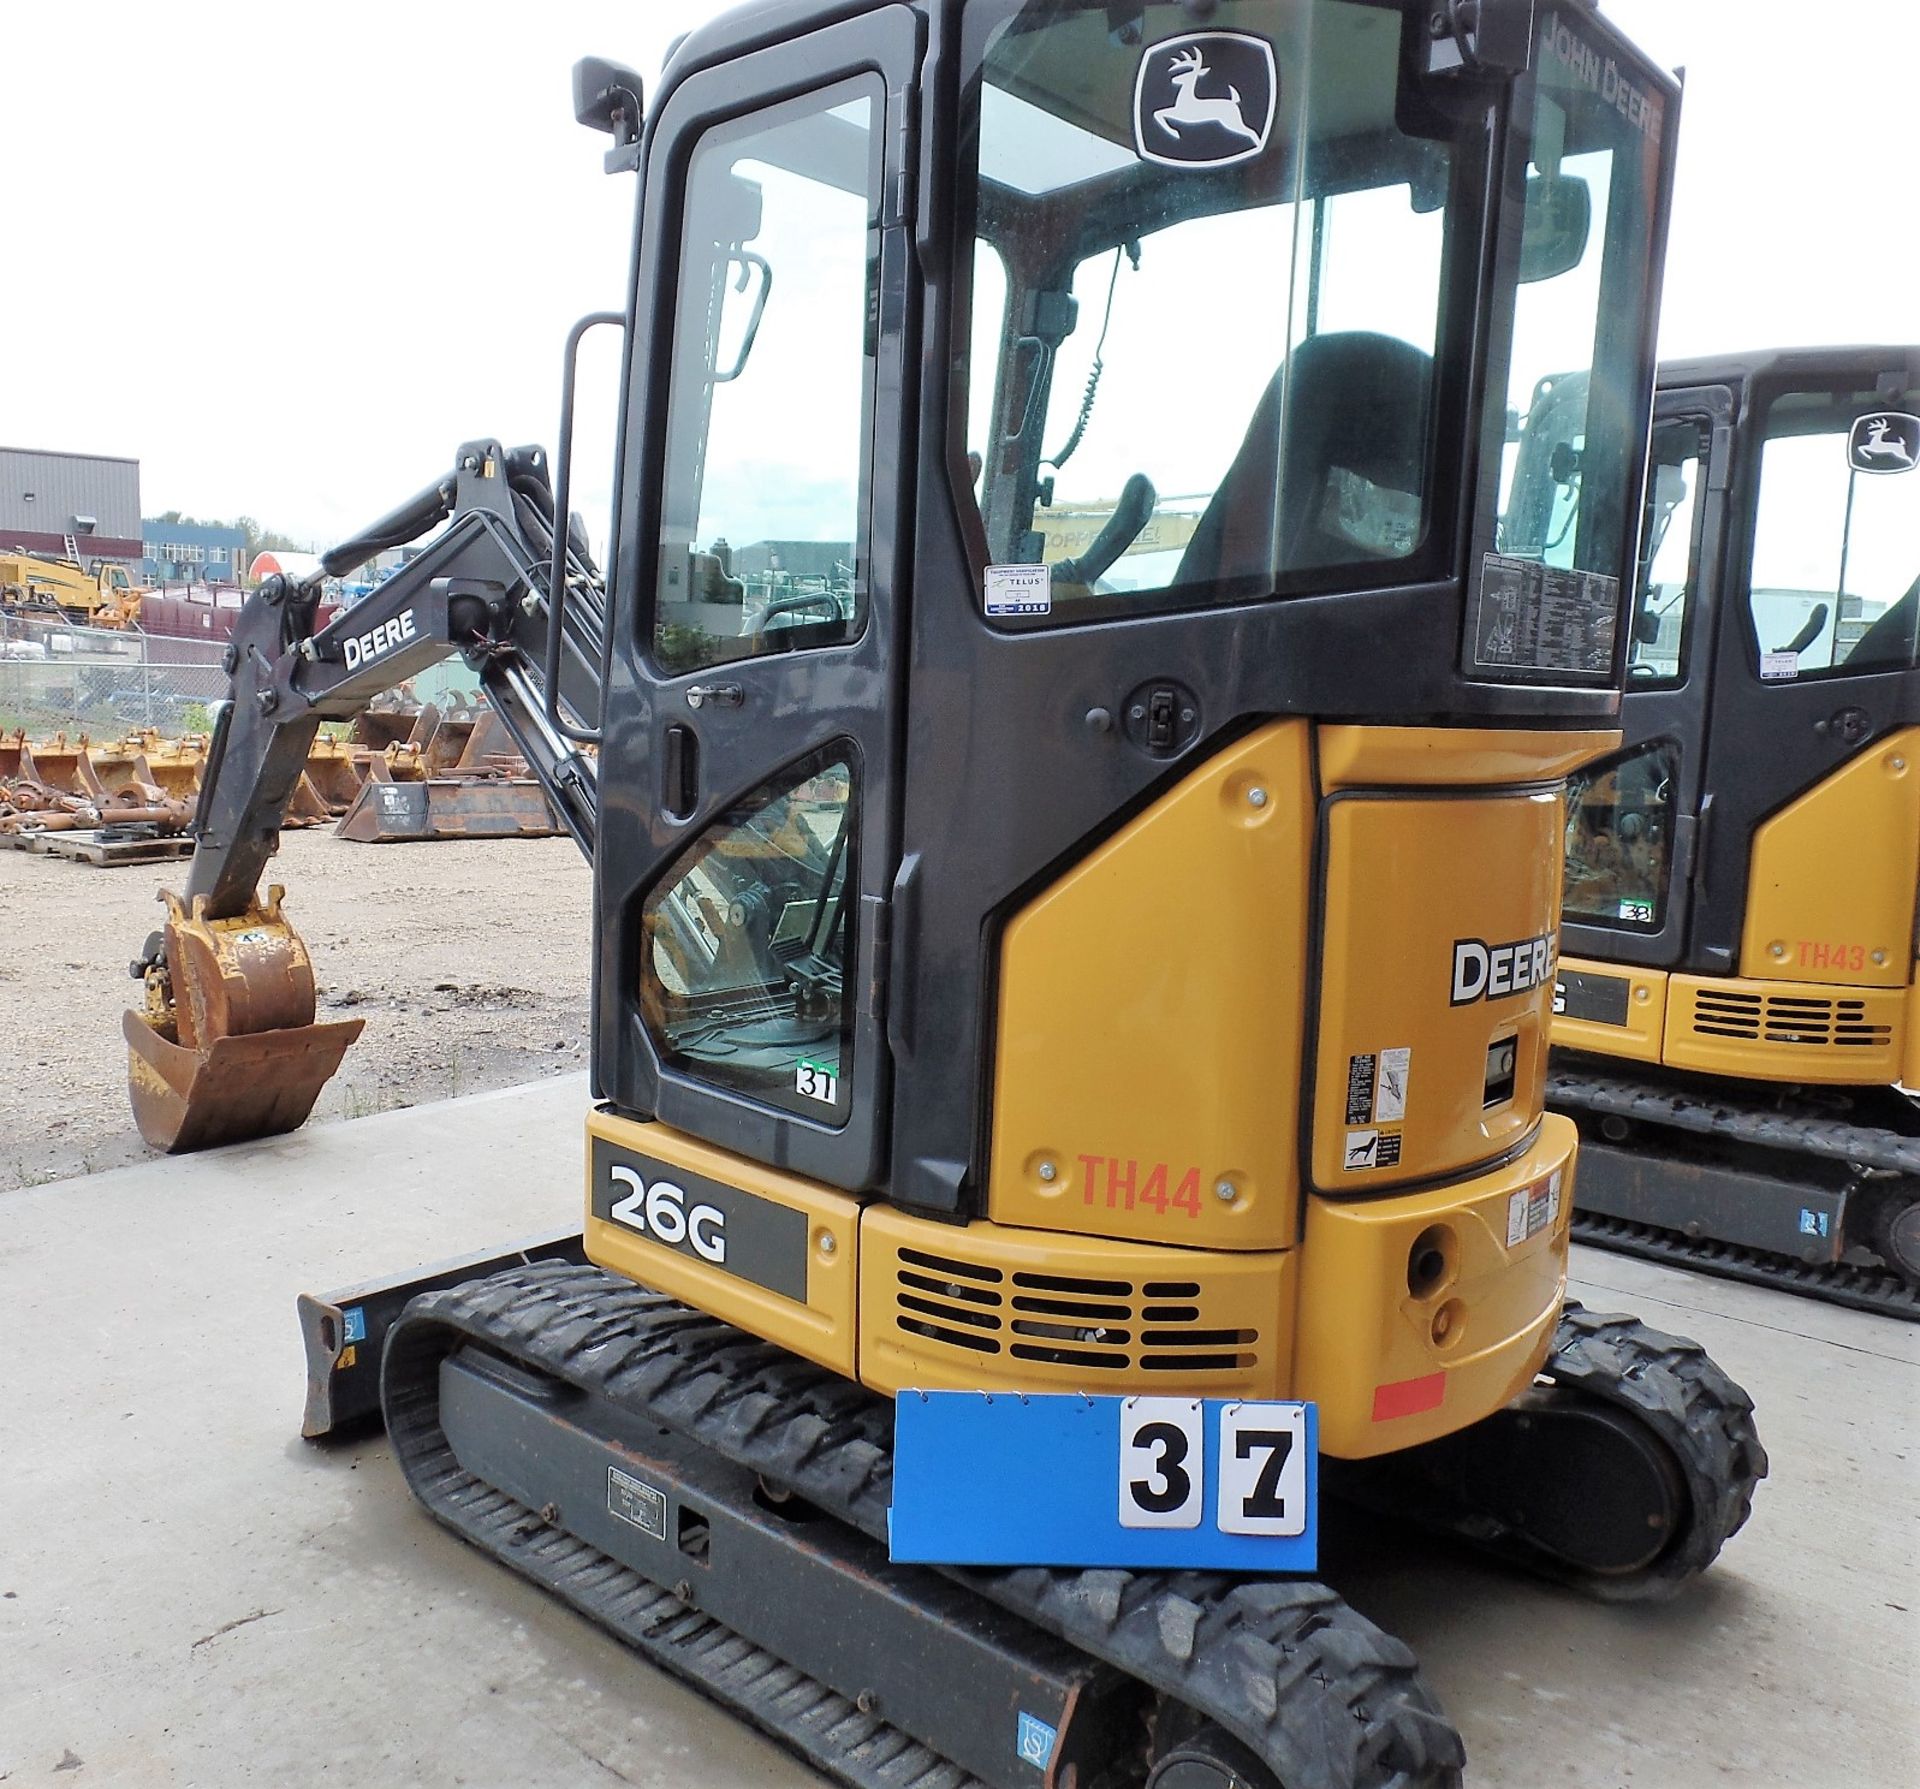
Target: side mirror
608	96
1559	217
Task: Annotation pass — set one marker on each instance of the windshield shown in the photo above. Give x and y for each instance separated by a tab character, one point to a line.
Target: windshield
1221	260
1835	577
1207	302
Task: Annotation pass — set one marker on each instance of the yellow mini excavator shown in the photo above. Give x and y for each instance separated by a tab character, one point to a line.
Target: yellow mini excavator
1106	959
1738	1009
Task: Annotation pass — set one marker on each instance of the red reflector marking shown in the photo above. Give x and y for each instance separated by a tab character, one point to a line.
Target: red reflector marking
1408	1397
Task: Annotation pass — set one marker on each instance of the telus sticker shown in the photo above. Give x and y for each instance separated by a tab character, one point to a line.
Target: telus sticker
1019	590
1886	441
1205	100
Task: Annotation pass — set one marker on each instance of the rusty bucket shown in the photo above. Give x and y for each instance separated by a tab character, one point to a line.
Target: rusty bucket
227	1047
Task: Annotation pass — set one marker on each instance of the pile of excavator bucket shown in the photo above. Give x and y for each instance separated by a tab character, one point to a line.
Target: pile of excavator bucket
407	771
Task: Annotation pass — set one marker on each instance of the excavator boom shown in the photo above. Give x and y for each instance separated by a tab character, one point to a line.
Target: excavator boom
227	1046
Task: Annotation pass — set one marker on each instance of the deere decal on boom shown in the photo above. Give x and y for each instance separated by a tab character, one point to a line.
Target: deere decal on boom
1030	958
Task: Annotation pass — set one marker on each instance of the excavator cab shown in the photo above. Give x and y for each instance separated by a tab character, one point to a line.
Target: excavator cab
1742	875
1072	741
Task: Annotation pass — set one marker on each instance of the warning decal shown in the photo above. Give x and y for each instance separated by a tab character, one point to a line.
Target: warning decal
1361	1075
1371	1149
1538	622
1390	1087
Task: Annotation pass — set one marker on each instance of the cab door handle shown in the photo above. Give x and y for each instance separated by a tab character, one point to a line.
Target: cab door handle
680	772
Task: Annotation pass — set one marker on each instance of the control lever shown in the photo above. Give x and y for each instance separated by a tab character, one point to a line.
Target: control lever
1131	514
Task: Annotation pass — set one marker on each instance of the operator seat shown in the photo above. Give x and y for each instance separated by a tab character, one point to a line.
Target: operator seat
1359	403
1890	640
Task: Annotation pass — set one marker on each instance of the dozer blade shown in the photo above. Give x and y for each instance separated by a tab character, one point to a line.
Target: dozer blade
256	1085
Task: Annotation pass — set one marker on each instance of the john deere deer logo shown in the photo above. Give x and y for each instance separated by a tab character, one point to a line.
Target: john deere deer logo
1888	442
1205	100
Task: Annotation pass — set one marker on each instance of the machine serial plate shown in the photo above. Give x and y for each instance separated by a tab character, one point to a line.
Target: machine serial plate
635	1501
1210	1483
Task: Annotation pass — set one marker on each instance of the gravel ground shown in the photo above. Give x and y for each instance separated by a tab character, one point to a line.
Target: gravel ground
468	961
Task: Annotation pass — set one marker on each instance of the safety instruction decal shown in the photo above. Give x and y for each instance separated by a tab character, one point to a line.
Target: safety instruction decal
1376	1098
1536	621
1390	1086
1533	1209
1371	1149
1019	590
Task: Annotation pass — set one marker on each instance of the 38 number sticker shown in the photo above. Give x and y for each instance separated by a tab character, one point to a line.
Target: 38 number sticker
1260	1477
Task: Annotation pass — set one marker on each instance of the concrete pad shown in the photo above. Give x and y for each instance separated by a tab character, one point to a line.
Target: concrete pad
190	1595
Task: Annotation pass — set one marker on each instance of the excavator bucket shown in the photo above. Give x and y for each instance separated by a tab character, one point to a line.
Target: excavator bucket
227	1047
176	765
332	773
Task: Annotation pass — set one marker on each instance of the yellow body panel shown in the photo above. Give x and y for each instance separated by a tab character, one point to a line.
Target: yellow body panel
1354	757
1392	1364
1409	878
1786	1030
1830	894
821	1329
1151	1010
983	1306
1910	1054
1641	1037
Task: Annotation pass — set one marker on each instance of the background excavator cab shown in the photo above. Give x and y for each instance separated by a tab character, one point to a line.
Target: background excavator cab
1742	875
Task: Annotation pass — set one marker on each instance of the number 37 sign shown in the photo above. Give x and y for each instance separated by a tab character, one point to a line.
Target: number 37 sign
1148	1481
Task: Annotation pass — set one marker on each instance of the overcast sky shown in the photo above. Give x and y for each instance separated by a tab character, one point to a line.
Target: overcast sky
291	256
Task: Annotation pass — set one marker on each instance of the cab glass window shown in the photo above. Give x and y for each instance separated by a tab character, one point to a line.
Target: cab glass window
761	540
1209	262
1669	565
1835	584
1620	839
748	944
1573	390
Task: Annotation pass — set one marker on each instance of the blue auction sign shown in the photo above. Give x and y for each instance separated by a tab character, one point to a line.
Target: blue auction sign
999	1479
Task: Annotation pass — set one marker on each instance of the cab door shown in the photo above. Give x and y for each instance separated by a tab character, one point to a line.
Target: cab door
1634	819
748	775
1818	654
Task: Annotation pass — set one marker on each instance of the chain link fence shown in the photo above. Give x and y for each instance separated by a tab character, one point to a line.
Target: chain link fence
105	683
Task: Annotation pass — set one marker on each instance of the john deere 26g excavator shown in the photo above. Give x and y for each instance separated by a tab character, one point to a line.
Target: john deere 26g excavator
1738	1008
1074	786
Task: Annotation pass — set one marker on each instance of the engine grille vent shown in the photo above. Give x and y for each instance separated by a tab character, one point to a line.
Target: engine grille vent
1064	1320
1808	1022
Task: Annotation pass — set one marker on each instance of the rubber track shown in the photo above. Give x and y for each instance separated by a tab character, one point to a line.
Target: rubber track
1736	1121
1705	1420
1858	1288
1327	1699
1879	1290
1700	1416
